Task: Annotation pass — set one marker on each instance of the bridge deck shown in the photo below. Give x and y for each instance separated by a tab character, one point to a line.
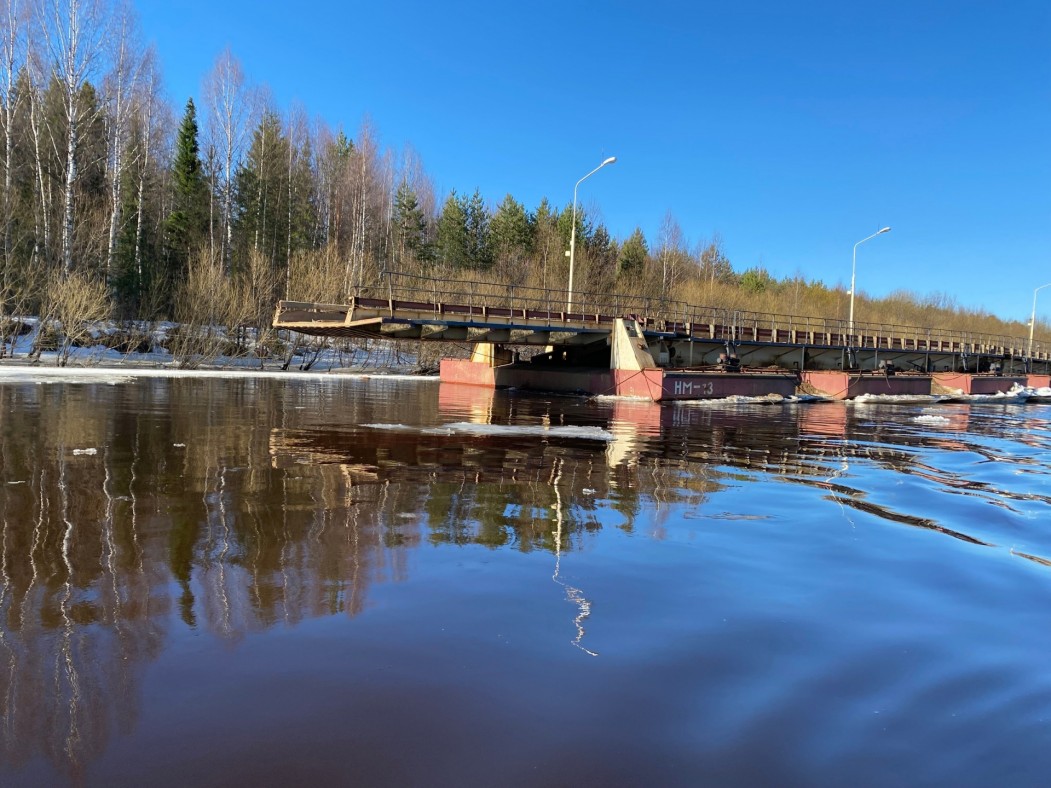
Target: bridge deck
475	312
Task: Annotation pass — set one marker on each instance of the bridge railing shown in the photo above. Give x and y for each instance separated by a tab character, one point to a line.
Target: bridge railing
676	317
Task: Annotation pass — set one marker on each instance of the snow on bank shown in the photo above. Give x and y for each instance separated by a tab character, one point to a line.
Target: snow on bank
151	343
19	373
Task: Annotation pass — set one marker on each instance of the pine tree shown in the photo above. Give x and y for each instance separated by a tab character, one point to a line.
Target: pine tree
510	229
512	240
602	253
565	226
548	250
633	253
479	243
452	232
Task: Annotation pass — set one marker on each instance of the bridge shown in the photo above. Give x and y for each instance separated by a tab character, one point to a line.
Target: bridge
675	335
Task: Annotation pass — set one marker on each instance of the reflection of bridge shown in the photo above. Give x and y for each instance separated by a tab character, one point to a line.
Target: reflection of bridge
674	335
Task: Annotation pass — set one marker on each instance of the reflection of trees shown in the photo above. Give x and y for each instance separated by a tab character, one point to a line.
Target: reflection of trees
235	506
109	493
80	603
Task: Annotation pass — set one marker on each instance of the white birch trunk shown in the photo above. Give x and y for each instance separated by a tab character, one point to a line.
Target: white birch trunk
117	141
10	33
70	85
147	139
43	230
74	32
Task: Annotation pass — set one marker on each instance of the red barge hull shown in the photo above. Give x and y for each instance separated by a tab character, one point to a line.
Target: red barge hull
654	384
848	385
971	383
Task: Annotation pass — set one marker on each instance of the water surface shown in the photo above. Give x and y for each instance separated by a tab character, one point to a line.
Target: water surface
387	582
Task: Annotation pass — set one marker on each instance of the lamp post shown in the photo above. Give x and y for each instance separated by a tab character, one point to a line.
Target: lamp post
853	275
1032	320
573	233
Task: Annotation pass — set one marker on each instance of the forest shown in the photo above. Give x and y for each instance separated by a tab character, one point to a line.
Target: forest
120	204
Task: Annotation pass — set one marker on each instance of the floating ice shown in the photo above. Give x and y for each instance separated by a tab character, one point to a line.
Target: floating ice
588	433
766	399
898	399
1015	394
502	430
85	451
930	419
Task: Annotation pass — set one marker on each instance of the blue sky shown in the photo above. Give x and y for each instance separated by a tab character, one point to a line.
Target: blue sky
791	129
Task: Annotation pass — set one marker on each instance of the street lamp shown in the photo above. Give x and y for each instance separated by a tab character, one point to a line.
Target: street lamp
1032	319
853	272
573	233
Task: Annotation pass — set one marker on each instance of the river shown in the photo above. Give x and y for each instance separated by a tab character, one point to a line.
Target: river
385	582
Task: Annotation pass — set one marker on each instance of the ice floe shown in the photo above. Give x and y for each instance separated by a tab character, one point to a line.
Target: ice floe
933	420
502	430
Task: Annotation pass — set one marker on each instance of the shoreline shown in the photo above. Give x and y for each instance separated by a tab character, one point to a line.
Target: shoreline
12	370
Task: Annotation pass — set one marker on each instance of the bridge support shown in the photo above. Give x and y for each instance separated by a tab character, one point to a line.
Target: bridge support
630	352
631	372
490	354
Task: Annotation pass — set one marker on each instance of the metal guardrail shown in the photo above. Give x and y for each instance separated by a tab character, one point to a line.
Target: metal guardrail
674	316
468	299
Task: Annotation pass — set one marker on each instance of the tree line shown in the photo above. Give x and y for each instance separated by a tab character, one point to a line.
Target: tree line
209	212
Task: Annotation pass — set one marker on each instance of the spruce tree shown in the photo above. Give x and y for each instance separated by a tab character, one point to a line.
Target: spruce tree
410	227
261	194
187	225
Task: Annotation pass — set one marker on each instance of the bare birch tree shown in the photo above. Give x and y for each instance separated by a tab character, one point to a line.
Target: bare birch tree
673	254
73	34
230	113
368	203
146	107
12	33
298	143
120	85
36	75
414	174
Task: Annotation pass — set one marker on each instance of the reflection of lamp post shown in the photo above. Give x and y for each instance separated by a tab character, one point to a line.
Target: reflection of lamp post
1032	320
853	272
573	233
574	595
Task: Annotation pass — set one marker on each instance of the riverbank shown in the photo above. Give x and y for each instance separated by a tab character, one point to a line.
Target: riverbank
19	369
